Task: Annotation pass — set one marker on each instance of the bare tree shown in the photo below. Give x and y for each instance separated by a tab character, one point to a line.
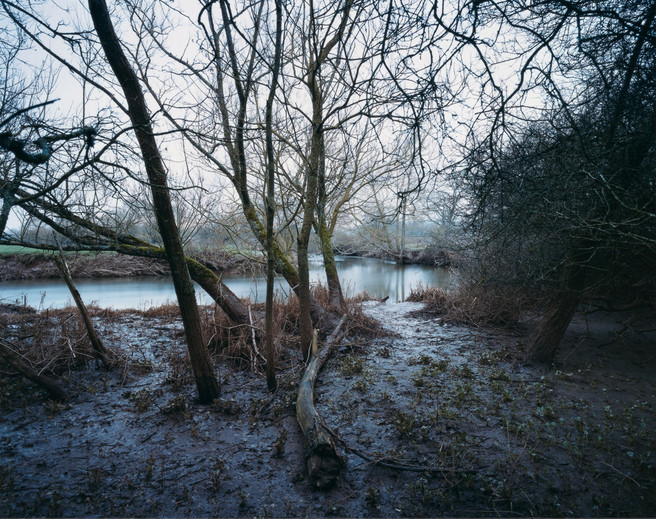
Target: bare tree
206	381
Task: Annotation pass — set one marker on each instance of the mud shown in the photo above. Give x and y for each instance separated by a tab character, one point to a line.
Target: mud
484	435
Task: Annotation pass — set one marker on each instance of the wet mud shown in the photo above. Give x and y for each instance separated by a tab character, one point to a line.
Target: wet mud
433	420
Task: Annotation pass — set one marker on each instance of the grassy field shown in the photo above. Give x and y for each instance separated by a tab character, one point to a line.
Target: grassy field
6	250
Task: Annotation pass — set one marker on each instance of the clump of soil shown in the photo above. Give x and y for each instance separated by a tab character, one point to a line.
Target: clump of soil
482	435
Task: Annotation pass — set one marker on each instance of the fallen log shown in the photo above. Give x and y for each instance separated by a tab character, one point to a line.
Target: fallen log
14	360
324	463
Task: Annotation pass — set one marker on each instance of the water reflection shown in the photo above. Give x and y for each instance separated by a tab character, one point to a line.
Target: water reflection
378	278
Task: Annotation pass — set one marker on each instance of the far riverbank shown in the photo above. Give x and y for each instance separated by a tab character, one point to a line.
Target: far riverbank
24	264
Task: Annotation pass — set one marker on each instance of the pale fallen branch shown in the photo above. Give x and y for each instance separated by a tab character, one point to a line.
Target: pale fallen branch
324	463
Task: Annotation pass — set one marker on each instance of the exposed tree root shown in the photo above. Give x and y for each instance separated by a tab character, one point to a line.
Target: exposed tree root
398	465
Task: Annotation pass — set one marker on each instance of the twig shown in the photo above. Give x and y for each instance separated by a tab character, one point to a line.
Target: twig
391	464
255	348
622	474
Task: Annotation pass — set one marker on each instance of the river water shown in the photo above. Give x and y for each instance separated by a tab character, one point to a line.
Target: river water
379	278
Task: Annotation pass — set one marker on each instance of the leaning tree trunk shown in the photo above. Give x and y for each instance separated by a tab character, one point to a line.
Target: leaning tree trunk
204	276
206	381
317	152
324	463
97	345
546	338
132	246
322	319
335	294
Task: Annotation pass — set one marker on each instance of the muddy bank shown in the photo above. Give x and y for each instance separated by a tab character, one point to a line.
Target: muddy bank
111	265
498	438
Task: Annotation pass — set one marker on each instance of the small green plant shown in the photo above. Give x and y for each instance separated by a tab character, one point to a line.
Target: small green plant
499	375
229	407
55	506
496	386
95	478
464	394
142	400
177	406
372	497
150	465
464	372
216	473
6	481
279	444
405	424
243	498
54	408
391	379
351	365
423	360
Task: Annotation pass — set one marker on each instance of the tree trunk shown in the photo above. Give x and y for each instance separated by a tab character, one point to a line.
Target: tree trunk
97	345
324	320
335	294
206	381
315	160
8	190
204	276
324	463
132	246
272	383
546	338
51	386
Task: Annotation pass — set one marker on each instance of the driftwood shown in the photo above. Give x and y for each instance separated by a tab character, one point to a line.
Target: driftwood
324	463
15	361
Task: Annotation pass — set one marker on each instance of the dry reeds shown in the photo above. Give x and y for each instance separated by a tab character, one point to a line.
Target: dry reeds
474	305
243	349
52	342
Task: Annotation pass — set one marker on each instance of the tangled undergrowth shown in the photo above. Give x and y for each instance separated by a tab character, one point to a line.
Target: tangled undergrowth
475	305
55	343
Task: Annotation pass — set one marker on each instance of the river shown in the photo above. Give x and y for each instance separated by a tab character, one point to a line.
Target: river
379	278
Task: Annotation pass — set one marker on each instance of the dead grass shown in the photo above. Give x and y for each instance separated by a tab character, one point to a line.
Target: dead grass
53	342
234	343
476	305
170	311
